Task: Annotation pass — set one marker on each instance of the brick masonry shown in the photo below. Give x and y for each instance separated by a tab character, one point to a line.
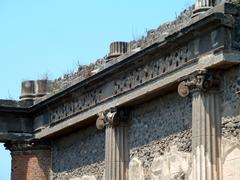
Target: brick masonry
31	165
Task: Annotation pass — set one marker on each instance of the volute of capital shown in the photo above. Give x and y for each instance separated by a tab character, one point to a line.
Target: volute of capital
111	117
200	81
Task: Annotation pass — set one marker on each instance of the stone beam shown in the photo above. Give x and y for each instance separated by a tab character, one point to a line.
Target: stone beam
15	125
206	121
210	61
116	143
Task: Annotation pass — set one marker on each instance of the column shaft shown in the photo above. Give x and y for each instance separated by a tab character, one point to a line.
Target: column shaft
204	3
206	136
116	153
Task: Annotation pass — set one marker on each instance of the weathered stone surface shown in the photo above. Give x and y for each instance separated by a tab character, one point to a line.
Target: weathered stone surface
172	165
231	160
84	178
88	178
151	67
136	170
231	105
157	125
30	161
124	82
163	30
116	152
79	154
206	120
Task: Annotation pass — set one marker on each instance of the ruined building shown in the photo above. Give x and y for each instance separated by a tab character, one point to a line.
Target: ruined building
165	107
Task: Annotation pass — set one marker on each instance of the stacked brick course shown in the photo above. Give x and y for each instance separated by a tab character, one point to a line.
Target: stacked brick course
31	165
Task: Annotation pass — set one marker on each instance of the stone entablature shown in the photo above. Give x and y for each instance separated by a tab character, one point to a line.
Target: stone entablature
151	64
179	54
214	34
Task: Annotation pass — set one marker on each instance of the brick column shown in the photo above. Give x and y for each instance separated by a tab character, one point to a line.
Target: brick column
206	122
30	161
116	144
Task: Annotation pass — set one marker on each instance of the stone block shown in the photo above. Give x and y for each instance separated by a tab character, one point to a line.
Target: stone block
136	170
172	165
231	160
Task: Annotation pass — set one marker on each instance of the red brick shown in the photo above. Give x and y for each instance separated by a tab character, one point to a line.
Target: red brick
31	165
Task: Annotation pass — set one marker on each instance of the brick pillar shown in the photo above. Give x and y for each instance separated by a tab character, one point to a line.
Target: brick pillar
116	144
206	122
30	161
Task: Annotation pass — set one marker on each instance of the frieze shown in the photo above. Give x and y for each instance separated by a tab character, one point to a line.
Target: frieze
124	83
146	70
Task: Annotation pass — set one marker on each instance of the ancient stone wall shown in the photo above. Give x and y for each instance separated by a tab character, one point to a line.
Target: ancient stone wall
231	104
160	138
231	124
79	155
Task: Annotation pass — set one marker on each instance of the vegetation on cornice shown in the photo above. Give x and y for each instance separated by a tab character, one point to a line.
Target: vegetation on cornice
237	2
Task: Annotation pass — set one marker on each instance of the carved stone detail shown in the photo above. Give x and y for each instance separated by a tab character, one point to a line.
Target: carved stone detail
201	80
205	123
111	117
116	145
141	74
144	71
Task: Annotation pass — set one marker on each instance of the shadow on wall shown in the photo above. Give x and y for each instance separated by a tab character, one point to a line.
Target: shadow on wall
80	153
5	160
169	116
160	138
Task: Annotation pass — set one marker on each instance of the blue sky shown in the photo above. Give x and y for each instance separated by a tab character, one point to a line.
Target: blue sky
53	36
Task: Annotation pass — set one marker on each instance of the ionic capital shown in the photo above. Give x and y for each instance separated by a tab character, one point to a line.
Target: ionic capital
199	81
111	117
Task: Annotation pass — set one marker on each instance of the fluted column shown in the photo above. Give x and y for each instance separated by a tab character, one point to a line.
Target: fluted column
116	144
205	125
204	3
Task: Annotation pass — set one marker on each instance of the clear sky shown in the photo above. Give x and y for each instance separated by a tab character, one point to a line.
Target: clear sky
52	36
